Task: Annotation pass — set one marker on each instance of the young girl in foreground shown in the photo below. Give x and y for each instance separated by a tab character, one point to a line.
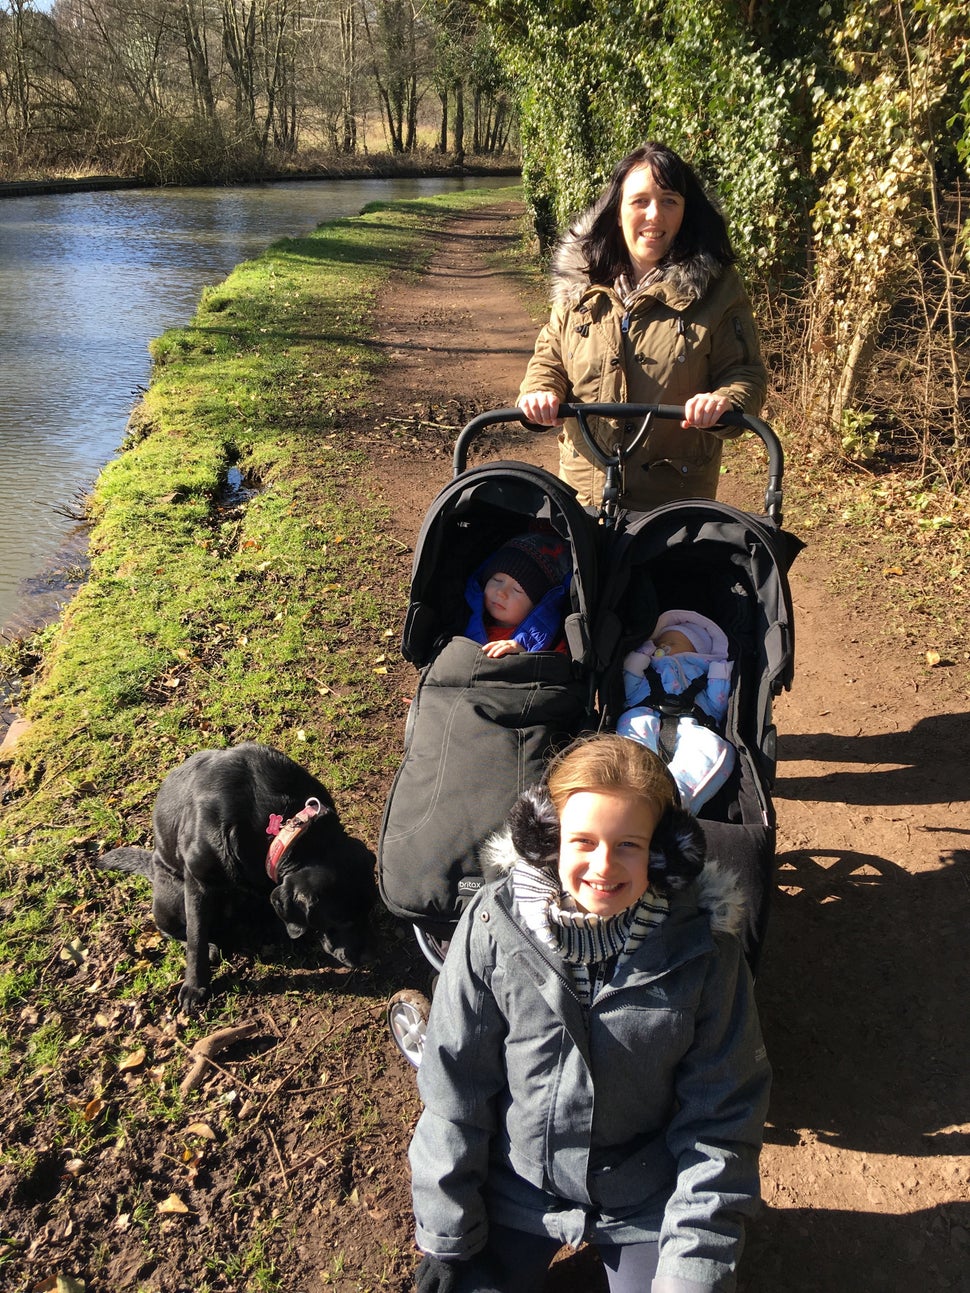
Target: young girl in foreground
594	1069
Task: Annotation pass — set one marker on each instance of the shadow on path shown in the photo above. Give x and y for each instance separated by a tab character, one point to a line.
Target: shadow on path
932	758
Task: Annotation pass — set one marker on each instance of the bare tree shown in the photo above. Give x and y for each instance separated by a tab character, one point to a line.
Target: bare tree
396	42
239	46
349	73
193	17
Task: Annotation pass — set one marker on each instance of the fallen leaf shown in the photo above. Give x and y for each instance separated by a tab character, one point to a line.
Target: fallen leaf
200	1129
933	658
892	570
381	669
93	1108
133	1061
173	1204
192	1160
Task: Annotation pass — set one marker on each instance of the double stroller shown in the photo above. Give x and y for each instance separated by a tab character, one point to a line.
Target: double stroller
481	730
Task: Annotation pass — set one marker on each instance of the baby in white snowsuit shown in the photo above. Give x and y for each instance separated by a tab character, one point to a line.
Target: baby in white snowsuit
685	647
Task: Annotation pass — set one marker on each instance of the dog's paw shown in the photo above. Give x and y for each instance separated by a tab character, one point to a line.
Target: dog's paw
192	997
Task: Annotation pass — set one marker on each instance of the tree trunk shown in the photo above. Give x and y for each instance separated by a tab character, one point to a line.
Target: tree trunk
239	44
198	59
348	72
459	149
442	146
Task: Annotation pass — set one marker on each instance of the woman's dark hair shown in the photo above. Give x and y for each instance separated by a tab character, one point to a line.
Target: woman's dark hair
703	228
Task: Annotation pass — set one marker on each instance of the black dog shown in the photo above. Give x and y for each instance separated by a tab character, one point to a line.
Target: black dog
231	825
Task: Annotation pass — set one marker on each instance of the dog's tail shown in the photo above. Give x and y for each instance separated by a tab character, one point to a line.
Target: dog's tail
128	859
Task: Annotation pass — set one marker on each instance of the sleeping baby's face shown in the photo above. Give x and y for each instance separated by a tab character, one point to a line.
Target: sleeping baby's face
672	642
506	600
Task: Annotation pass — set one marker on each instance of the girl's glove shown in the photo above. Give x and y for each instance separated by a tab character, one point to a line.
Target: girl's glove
437	1276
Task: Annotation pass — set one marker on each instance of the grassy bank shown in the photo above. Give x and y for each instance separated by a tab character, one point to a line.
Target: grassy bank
237	591
230	547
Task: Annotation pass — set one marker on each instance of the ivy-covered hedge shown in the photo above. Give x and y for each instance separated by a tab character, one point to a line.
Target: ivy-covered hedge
829	132
600	78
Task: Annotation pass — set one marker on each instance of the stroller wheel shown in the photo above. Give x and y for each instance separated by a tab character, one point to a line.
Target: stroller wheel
407	1018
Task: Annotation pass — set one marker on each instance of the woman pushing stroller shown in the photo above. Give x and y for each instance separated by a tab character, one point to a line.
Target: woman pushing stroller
594	1069
648	309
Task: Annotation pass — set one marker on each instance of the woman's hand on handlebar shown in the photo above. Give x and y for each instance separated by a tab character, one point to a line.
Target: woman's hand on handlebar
705	410
542	408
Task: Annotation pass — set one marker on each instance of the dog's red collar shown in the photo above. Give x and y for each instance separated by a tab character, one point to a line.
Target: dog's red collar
287	833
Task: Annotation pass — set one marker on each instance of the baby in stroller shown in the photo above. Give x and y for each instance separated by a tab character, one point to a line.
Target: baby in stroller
518	596
677	686
498	625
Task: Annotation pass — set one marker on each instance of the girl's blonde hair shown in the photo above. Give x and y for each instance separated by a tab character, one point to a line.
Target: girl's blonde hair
610	764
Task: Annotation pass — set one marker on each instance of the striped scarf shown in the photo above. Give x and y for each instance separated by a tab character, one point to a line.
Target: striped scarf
592	946
628	291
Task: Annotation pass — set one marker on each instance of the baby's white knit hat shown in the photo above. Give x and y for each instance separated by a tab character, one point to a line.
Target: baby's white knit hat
703	634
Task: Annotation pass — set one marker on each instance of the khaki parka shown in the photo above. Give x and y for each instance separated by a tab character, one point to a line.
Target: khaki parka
691	330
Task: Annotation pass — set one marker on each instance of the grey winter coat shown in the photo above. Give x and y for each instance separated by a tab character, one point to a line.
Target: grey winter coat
643	1123
690	331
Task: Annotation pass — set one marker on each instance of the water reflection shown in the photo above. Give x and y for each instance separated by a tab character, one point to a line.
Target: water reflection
86	280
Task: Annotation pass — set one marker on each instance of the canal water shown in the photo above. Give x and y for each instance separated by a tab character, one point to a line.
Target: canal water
86	281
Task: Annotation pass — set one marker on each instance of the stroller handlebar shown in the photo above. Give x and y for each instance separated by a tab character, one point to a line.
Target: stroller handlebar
643	414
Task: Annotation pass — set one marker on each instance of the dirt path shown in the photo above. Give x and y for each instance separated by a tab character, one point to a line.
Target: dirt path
287	1168
863	985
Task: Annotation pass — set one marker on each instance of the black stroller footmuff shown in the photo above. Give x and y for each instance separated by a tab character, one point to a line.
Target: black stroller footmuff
480	730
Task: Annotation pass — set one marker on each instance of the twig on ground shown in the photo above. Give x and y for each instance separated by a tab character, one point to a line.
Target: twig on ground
279	1159
205	1048
295	1068
422	424
315	1157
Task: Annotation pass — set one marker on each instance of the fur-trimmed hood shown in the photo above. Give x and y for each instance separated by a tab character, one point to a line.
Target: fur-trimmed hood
689	279
677	858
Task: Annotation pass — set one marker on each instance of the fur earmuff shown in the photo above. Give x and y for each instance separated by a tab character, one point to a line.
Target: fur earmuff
534	826
531	833
677	851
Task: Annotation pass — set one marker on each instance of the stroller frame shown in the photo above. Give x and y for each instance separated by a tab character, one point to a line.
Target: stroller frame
648	540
